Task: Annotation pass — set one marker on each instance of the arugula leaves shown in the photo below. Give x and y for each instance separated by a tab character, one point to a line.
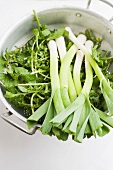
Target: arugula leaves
25	70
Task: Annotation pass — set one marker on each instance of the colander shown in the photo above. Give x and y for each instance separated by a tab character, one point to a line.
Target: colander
78	19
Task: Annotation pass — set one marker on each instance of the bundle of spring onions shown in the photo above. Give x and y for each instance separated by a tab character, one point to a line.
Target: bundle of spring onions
76	100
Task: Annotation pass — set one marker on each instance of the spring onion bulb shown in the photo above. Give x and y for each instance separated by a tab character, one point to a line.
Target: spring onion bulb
78	64
60	42
55	84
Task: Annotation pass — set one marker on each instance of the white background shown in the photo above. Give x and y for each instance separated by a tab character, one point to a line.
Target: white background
19	151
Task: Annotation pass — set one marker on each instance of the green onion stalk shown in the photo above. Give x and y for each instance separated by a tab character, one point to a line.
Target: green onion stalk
70	84
82	109
104	84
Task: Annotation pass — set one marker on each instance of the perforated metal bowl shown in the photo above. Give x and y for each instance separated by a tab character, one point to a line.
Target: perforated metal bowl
76	18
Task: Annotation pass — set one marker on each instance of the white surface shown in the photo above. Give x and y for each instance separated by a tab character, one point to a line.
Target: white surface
19	151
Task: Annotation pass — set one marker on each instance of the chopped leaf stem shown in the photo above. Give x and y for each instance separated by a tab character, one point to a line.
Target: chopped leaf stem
33	84
37	19
32	97
32	57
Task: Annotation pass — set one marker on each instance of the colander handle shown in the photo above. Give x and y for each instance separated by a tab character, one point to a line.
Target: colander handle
89	2
7	117
104	1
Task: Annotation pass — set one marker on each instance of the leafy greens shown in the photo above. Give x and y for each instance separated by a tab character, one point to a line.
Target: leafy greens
61	84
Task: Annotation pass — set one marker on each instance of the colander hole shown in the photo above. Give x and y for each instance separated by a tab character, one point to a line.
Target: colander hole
78	15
